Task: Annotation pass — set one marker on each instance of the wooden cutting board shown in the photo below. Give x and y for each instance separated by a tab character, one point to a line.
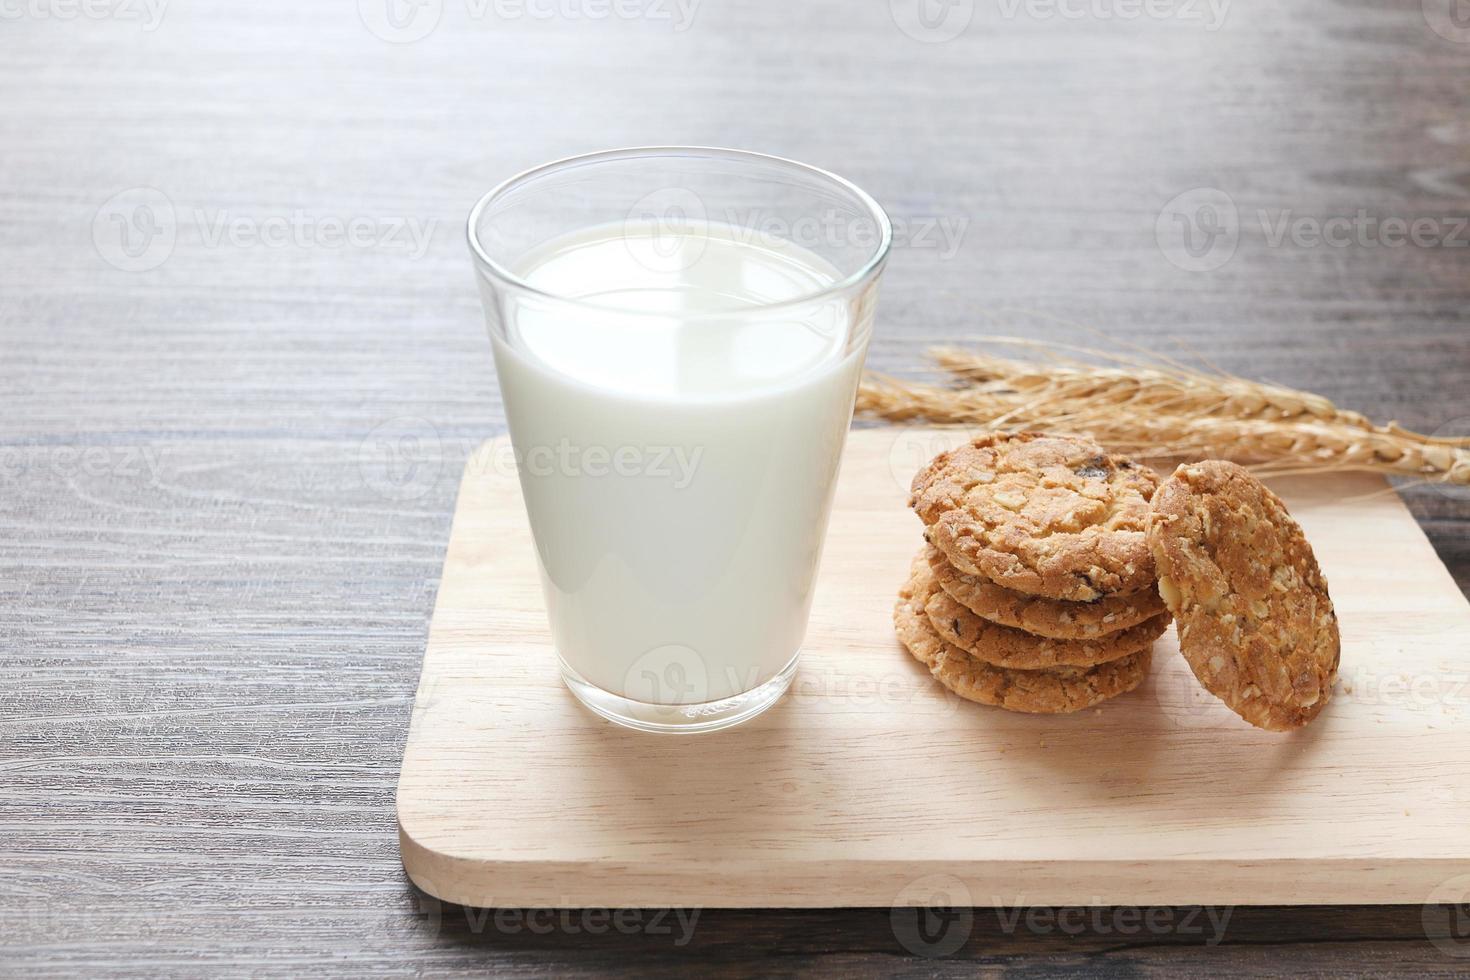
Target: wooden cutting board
868	785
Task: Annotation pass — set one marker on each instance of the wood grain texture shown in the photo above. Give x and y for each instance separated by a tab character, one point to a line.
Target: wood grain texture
870	785
220	542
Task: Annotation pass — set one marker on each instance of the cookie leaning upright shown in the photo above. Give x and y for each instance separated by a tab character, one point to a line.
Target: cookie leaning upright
1051	516
1255	621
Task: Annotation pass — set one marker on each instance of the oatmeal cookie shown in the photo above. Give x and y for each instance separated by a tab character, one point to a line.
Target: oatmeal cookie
1055	618
911	598
1255	621
1040	692
1002	646
1052	516
1056	691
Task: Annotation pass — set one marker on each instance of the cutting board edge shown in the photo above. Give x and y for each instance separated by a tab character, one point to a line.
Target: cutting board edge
890	884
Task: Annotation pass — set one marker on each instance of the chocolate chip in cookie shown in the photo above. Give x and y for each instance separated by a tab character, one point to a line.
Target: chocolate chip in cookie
1052	516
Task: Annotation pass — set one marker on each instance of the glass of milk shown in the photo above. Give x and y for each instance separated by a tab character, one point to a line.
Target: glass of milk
678	334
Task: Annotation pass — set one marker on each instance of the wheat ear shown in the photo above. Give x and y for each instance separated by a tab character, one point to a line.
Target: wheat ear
1156	407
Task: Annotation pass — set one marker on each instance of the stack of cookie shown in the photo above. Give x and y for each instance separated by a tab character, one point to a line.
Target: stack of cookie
1035	590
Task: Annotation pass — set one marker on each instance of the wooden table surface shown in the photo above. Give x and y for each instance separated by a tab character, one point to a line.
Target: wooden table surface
242	359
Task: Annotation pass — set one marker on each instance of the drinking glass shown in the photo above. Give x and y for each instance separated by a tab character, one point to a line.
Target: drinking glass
678	335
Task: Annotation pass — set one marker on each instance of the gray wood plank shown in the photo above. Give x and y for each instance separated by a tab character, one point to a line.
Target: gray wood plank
217	558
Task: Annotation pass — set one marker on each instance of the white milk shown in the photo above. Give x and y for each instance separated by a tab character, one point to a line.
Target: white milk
677	472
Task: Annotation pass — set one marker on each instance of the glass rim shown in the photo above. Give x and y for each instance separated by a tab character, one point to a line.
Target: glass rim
499	272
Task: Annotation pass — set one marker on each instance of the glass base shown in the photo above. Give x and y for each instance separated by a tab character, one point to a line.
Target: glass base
667	719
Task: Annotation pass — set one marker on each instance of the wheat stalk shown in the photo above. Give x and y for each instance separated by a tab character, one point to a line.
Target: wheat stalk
1143	384
1155	407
